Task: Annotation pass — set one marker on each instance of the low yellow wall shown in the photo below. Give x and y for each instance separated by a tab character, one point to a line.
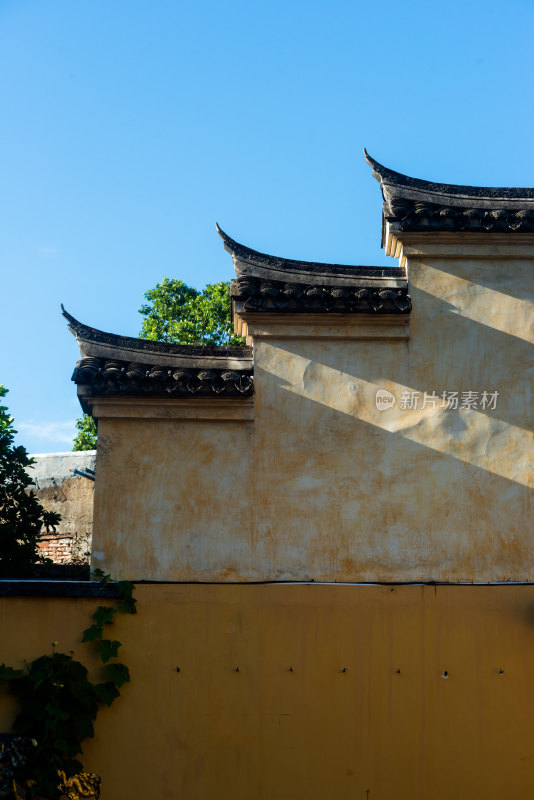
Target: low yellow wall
389	727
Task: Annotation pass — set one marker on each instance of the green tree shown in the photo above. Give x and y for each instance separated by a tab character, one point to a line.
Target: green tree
177	313
86	437
21	515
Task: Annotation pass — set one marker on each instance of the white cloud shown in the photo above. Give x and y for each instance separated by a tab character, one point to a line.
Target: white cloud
48	431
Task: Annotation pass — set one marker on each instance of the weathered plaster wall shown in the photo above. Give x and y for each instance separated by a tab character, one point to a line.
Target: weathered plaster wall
171	499
432	494
322	485
391	726
69	495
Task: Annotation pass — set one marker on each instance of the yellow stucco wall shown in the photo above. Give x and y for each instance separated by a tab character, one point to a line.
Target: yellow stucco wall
389	727
320	484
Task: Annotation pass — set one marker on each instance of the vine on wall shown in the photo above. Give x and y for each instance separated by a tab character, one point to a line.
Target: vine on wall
59	703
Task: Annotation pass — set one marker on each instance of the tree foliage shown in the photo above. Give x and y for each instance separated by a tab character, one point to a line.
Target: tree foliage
179	313
176	312
86	437
21	515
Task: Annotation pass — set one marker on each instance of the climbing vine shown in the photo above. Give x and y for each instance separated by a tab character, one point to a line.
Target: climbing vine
59	703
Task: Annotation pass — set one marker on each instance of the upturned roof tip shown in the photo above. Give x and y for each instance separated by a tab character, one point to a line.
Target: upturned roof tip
397	181
375	165
230	244
70	319
368	158
384	174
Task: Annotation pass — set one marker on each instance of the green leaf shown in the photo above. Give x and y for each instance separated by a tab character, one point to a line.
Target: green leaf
178	313
118	673
107	692
22	517
93	633
54	712
100	575
86	438
127	601
104	615
61	745
108	649
127	605
97	573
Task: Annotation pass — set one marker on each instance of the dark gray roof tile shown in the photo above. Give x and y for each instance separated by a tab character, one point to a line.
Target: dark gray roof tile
411	204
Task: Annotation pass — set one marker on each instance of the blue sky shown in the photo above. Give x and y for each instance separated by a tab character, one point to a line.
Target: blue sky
128	128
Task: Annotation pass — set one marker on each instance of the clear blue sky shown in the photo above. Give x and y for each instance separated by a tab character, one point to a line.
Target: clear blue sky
128	128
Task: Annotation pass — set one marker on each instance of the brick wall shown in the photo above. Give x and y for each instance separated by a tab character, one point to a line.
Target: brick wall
64	548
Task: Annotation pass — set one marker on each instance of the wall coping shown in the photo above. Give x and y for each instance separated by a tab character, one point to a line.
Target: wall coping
75	589
51	588
321	326
203	408
456	245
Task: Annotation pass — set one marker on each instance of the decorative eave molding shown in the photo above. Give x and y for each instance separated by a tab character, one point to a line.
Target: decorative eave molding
104	377
414	205
256	295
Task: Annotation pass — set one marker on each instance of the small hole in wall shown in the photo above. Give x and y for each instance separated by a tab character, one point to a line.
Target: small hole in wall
501	671
444	674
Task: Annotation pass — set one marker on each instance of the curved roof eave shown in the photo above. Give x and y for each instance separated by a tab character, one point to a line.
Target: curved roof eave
252	263
94	343
396	183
